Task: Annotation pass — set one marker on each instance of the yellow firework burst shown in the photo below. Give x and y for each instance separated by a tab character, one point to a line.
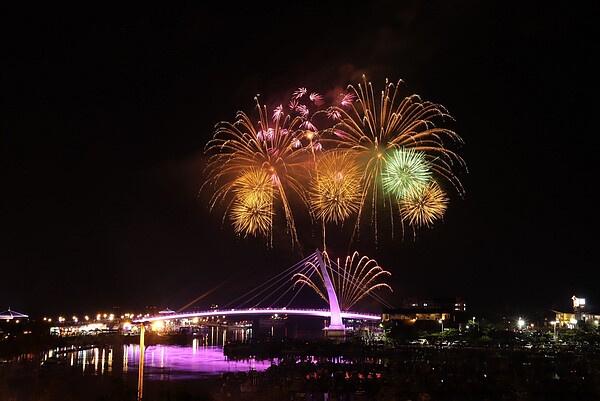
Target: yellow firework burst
251	212
352	281
335	190
425	207
270	146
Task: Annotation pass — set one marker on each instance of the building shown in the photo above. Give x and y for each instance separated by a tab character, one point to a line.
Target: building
440	313
580	314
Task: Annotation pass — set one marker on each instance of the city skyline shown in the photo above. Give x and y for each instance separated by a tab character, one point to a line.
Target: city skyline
108	113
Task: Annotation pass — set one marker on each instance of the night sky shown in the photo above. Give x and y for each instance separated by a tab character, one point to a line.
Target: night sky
107	109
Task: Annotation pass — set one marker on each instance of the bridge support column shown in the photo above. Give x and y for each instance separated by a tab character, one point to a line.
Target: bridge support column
336	327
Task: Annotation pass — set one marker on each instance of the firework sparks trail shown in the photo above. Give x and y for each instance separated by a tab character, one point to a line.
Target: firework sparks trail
357	278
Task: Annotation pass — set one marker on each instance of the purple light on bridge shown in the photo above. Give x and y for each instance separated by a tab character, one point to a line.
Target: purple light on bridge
261	311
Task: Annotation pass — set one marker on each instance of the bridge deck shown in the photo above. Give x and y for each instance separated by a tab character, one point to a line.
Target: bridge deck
259	311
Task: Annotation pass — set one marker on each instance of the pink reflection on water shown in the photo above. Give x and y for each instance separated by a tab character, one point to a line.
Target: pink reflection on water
173	362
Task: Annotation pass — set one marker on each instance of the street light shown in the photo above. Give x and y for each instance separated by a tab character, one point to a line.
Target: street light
441	321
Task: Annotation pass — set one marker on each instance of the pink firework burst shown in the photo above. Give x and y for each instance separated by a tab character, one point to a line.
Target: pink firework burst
263	135
316	98
334	115
303	110
308	126
299	93
277	112
347	99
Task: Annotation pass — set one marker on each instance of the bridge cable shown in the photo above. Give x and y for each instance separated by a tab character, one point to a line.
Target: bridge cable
267	285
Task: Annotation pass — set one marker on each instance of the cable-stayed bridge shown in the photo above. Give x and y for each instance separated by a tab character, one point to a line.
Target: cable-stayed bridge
340	286
261	311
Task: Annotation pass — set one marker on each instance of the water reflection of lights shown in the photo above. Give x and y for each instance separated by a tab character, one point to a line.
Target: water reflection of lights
95	360
125	358
172	362
83	359
185	362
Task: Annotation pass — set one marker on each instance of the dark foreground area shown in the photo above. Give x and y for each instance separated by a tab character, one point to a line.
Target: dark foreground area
400	373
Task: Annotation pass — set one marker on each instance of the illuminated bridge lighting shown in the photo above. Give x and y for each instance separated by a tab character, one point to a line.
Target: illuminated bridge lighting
260	311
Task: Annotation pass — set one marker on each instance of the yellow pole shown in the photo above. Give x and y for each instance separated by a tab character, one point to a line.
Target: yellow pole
141	364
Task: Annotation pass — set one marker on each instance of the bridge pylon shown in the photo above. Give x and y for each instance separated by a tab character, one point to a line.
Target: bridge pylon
336	326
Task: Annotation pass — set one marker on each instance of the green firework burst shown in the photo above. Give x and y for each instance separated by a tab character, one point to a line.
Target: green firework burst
405	173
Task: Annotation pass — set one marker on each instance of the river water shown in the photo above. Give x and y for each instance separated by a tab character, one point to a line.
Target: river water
194	371
162	362
111	372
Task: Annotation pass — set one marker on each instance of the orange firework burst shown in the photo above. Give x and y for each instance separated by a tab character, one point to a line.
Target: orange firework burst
357	278
271	147
373	127
424	207
335	189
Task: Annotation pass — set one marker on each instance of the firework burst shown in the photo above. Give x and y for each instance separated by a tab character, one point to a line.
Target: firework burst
352	281
251	211
239	149
335	189
405	173
374	128
364	154
423	208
